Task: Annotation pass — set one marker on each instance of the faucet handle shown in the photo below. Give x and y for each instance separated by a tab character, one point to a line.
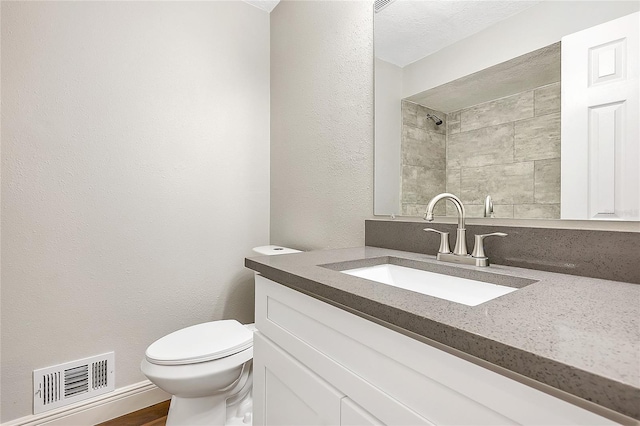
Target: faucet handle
478	248
444	240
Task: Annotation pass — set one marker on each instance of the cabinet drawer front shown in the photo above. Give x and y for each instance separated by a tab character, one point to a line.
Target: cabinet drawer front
433	384
292	394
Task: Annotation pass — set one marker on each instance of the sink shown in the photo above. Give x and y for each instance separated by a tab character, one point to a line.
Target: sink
471	289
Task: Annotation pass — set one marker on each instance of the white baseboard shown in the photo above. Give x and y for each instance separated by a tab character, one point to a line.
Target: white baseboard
100	409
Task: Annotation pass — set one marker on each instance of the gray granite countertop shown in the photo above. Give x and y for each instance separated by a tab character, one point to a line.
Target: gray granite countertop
580	335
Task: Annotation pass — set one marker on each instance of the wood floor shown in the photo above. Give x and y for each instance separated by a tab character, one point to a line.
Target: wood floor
156	415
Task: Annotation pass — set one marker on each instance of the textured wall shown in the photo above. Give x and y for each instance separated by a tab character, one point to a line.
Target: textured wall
321	123
135	146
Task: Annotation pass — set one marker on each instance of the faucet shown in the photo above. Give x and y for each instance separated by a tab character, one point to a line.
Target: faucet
460	248
460	254
488	207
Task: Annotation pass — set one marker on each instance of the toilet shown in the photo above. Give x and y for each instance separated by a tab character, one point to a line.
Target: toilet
207	368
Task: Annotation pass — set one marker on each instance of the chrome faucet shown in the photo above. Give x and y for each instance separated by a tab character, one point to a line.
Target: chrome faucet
460	248
460	254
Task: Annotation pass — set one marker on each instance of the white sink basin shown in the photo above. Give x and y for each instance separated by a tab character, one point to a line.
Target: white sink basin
460	290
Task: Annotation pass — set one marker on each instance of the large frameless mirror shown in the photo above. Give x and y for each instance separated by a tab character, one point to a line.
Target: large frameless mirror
523	109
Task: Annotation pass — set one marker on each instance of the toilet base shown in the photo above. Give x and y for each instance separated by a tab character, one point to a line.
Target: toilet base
199	412
233	408
203	411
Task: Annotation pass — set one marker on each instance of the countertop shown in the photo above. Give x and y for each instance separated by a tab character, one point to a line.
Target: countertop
580	335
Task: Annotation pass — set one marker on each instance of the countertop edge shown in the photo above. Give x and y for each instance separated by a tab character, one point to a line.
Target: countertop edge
527	364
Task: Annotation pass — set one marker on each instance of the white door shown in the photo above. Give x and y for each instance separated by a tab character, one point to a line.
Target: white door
601	122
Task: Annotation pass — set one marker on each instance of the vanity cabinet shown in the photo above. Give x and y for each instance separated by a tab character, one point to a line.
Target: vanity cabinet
315	363
293	394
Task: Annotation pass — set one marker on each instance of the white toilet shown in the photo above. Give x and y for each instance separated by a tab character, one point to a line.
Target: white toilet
207	368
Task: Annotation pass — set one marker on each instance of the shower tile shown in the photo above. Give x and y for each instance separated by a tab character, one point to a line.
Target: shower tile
547	181
547	99
410	209
453	127
453	181
409	114
420	184
537	138
506	183
437	144
419	210
421	118
511	108
537	211
471	210
413	133
453	187
503	211
490	145
453	122
422	148
429	124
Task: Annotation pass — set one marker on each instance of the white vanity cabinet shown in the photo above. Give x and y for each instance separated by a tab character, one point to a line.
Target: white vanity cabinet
293	394
316	364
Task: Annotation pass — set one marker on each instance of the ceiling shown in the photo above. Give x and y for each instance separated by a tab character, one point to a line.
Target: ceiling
266	5
408	30
526	72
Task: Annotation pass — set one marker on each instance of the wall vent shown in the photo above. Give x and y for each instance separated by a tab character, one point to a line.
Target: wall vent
71	382
378	5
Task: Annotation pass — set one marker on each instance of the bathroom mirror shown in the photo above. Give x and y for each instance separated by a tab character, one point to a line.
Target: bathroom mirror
468	101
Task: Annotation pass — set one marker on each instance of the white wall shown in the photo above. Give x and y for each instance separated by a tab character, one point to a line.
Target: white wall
321	123
135	177
388	129
536	27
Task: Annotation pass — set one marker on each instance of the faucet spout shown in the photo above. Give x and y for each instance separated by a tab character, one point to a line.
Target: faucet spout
461	236
456	202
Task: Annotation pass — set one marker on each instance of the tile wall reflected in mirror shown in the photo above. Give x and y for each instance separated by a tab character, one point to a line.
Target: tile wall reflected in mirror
497	89
508	148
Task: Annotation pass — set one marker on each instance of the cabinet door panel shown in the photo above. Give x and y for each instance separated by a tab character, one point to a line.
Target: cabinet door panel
288	393
285	407
354	415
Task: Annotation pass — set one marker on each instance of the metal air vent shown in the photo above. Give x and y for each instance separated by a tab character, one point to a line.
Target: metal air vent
71	382
378	5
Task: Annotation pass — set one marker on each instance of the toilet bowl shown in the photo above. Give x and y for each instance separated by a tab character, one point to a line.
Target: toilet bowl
208	370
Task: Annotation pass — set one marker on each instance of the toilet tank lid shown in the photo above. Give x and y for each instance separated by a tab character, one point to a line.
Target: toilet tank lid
200	343
273	250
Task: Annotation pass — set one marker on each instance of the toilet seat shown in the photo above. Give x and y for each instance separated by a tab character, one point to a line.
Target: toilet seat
200	343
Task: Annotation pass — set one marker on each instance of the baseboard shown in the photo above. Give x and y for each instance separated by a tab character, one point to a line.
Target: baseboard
100	409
